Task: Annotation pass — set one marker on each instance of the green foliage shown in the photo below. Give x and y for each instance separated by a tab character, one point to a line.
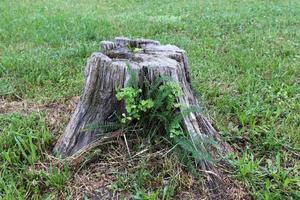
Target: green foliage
143	196
23	141
135	181
243	57
134	109
138	179
171	90
55	177
155	112
20	142
278	180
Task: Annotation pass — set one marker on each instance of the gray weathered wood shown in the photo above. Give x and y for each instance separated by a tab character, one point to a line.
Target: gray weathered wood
107	70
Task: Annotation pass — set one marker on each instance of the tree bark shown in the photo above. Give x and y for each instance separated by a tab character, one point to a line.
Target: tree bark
107	70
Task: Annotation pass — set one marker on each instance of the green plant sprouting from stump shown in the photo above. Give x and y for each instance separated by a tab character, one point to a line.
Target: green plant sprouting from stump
155	112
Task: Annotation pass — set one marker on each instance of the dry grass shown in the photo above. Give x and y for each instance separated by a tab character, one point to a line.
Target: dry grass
98	175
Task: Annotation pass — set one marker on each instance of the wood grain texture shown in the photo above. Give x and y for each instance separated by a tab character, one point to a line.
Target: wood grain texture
107	70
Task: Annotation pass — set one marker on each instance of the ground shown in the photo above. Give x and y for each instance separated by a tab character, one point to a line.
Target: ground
245	66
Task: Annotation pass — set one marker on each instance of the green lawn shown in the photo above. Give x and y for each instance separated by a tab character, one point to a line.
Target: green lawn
245	64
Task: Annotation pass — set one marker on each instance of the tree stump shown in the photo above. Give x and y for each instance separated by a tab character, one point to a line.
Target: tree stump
108	70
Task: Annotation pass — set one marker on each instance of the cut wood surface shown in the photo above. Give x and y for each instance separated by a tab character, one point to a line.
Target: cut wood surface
108	70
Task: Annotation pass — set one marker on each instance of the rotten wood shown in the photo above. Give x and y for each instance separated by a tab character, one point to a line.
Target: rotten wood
108	70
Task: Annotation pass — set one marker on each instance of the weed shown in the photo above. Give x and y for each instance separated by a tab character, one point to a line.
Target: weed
244	59
23	141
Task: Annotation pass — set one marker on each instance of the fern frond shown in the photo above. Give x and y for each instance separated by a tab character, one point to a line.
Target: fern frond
103	127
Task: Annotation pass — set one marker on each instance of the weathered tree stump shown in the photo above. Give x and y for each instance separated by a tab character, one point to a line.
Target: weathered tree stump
108	70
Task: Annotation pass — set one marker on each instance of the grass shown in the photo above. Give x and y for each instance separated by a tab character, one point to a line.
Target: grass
244	58
23	142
